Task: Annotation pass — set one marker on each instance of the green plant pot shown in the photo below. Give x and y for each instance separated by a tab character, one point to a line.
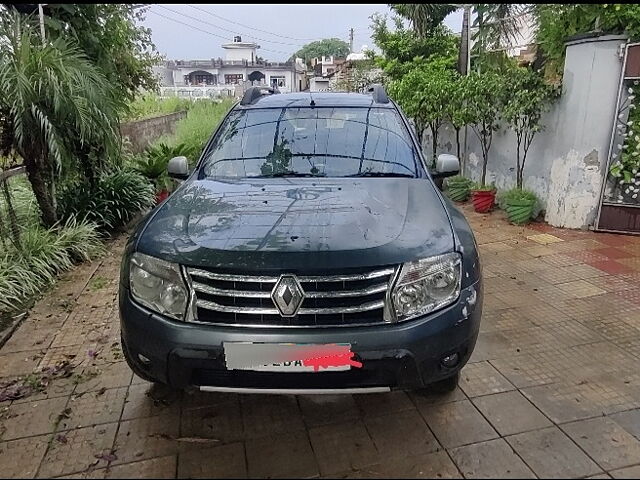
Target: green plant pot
458	193
520	211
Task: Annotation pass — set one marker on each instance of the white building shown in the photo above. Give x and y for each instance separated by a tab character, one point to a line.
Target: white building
241	66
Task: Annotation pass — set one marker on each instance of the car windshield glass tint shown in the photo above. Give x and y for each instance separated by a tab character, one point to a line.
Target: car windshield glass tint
328	142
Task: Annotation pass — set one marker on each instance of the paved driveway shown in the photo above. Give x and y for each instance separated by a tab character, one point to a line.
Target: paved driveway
553	388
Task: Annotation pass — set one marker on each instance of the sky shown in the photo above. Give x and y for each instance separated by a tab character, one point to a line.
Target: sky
280	30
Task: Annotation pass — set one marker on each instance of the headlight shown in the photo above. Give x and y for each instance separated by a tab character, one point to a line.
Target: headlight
158	284
426	285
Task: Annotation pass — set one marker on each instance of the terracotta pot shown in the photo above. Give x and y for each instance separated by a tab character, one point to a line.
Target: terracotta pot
161	196
483	200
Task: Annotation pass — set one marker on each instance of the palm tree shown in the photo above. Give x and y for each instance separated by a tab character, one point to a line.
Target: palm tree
423	16
496	23
53	100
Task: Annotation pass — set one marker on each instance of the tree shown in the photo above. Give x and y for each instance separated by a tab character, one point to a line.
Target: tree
456	108
485	98
401	48
359	76
556	22
110	37
424	17
327	47
49	95
529	97
424	94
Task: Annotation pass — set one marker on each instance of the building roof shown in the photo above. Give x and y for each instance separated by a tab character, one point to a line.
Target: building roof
321	99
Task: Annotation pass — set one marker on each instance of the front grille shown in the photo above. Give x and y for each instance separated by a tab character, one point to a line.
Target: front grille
353	298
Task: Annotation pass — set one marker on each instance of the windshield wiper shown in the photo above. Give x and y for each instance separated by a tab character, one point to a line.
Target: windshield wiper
381	174
289	174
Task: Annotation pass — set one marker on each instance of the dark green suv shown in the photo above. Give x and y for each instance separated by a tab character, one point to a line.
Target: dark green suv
308	251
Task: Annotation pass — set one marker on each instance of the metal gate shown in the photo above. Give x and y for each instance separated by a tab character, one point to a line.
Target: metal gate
619	209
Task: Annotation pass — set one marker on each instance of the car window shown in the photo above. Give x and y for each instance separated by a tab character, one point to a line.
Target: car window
331	142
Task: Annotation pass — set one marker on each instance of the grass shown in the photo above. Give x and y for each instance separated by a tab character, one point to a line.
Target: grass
195	130
98	283
26	270
150	105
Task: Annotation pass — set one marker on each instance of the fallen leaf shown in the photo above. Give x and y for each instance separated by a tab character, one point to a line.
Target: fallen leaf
61	438
107	457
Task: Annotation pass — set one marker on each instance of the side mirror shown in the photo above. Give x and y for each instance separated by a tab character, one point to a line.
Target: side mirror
446	166
178	168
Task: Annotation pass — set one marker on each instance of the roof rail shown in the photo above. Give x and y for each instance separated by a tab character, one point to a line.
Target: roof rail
378	93
254	93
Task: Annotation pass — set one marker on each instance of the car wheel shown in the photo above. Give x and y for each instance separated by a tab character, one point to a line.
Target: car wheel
446	385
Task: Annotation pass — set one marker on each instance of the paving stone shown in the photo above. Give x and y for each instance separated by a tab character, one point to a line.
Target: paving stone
21	458
105	376
401	434
265	415
342	447
492	459
564	402
457	423
94	408
429	465
551	454
162	467
75	451
288	456
324	409
147	400
629	420
382	403
221	422
149	437
606	442
225	461
482	378
426	397
31	418
629	472
19	363
510	413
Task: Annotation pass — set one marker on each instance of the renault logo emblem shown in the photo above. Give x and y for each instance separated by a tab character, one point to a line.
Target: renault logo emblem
287	295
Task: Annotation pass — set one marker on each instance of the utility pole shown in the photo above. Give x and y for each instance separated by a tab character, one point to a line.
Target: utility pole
351	40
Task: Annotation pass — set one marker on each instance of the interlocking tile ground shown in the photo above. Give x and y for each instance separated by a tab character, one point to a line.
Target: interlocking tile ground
552	390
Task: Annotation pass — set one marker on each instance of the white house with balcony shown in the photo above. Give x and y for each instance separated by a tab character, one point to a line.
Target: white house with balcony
241	67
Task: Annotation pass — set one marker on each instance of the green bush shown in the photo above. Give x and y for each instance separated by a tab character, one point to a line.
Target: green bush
153	162
45	253
117	197
149	106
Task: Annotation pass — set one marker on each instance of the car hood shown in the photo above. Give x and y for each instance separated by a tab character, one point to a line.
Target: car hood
299	224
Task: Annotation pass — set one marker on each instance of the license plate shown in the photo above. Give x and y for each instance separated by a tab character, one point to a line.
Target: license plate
288	357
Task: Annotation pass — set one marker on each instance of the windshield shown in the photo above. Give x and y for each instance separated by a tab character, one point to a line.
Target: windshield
323	142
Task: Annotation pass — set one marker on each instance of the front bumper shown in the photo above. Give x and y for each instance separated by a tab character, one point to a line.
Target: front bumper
402	355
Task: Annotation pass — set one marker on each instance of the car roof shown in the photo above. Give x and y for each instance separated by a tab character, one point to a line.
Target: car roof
320	99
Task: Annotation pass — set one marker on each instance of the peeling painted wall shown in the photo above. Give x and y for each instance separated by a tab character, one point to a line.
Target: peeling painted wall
565	165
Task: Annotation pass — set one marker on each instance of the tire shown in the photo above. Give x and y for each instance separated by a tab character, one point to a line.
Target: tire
446	385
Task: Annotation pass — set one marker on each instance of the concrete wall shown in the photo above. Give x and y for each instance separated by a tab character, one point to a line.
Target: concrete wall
143	132
567	161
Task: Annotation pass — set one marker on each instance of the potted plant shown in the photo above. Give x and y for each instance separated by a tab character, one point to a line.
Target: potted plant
520	205
483	197
153	165
459	188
